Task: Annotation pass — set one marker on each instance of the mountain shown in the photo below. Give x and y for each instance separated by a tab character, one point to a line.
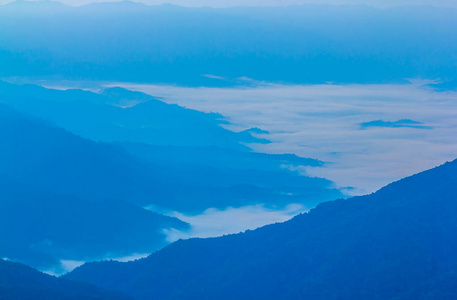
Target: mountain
85	199
67	198
216	157
128	42
221	177
397	243
68	164
103	117
18	281
44	230
49	157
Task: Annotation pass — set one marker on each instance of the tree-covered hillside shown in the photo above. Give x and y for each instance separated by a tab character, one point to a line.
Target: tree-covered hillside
398	243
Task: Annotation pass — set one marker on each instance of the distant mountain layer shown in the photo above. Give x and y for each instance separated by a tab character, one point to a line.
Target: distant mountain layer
20	282
130	42
216	157
146	119
398	243
51	158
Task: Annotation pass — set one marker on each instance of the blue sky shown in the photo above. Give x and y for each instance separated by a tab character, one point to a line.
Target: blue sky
228	3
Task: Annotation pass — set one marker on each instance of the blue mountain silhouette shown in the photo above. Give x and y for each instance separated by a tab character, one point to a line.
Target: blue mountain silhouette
398	243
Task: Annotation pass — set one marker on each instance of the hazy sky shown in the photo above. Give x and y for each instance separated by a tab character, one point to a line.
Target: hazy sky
228	3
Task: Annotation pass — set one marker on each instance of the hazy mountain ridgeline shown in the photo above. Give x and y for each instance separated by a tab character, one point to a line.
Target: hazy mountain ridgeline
398	243
99	117
183	179
41	228
215	156
18	281
65	197
132	42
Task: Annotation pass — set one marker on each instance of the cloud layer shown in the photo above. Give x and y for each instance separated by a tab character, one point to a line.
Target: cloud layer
214	222
323	122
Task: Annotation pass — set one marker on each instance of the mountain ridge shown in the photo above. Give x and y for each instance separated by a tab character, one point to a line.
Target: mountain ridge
18	281
308	44
391	244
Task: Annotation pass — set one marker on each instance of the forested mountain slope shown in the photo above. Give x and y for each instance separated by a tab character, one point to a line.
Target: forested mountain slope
18	281
398	243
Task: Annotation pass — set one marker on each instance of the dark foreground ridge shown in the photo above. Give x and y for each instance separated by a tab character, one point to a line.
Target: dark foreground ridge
18	281
398	243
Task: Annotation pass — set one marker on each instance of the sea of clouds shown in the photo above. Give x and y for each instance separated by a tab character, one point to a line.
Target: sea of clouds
327	122
369	135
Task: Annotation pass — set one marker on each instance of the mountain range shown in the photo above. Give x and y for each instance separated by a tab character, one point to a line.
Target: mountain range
121	115
132	42
397	243
67	163
98	182
17	281
69	198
